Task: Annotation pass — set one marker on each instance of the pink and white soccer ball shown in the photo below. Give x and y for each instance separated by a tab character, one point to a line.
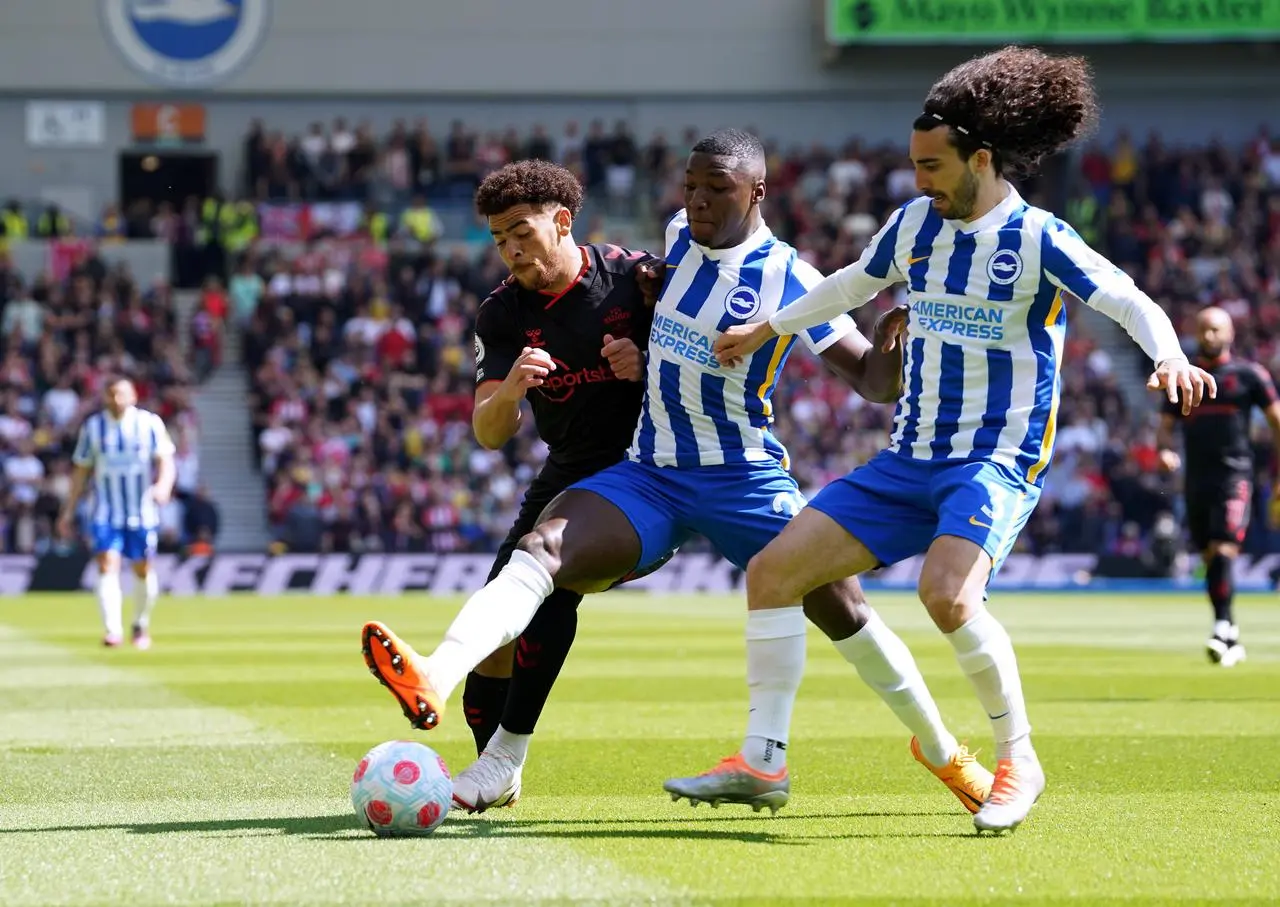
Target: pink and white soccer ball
401	788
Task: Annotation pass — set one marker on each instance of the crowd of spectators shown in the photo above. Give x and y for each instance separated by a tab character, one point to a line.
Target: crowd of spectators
362	369
61	338
360	356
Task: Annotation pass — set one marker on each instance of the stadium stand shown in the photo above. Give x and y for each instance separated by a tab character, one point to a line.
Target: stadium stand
353	267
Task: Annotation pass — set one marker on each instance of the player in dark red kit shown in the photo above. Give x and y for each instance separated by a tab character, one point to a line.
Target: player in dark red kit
586	303
1219	468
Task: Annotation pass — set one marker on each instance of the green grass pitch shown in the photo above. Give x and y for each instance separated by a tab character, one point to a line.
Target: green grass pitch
214	769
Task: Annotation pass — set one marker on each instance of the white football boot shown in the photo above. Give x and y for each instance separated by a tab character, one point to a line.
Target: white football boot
491	782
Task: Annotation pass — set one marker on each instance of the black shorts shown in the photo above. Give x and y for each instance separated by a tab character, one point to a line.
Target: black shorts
1218	510
545	488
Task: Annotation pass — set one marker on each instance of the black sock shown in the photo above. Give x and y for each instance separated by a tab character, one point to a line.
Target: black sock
483	699
540	654
1222	587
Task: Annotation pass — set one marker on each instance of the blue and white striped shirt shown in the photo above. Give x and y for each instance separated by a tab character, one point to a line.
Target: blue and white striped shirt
122	454
696	412
987	326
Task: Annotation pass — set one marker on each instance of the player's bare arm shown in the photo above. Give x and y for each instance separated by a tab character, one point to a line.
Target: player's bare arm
1181	380
1170	460
497	414
166	476
79	479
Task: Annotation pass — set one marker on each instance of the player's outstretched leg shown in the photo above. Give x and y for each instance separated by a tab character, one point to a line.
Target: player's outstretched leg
953	585
886	665
1223	646
582	542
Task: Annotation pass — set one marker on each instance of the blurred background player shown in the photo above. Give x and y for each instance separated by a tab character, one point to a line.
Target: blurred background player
703	461
974	429
127	452
1218	478
558	333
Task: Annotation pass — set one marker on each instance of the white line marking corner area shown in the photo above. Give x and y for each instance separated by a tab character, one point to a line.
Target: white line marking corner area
58	867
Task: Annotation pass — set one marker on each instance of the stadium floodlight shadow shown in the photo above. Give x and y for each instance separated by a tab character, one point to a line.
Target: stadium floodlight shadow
313	826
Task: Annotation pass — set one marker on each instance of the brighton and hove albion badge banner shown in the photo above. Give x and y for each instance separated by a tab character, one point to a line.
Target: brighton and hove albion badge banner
1047	21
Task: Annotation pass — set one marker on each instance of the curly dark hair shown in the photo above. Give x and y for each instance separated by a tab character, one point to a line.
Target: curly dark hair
1019	102
534	182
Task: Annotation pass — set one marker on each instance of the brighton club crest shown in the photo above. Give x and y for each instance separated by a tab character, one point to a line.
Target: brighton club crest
186	43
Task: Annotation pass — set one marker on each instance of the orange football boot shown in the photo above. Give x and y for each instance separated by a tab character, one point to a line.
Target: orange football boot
397	667
964	775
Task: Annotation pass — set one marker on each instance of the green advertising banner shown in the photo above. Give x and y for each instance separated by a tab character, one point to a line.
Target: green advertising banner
1046	21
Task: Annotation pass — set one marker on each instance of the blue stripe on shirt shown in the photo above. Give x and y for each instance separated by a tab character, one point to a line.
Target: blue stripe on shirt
950	400
681	424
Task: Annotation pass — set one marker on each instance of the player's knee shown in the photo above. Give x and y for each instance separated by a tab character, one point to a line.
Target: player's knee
1224	549
943	596
768	586
839	610
543	544
141	569
108	563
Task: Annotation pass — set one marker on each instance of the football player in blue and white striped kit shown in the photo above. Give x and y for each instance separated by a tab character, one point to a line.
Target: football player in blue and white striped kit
986	274
704	461
127	454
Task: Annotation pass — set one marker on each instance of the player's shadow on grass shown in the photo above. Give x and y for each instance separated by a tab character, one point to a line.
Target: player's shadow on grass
692	828
313	826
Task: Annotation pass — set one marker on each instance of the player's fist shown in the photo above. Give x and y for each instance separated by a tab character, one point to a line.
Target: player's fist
1181	380
741	340
650	276
1169	460
889	327
624	357
530	370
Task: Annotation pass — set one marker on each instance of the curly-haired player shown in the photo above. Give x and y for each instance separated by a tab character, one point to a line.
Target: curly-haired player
974	429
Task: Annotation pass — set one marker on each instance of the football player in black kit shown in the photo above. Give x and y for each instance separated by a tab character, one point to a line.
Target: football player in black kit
1219	468
585	303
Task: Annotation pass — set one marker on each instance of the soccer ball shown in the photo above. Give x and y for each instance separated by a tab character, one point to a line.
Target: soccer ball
401	788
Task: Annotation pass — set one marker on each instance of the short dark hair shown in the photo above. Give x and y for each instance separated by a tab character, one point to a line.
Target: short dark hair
534	183
736	143
1019	102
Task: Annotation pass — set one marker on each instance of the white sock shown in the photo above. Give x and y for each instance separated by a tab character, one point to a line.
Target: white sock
884	663
489	620
985	653
145	593
111	603
514	745
775	666
1226	630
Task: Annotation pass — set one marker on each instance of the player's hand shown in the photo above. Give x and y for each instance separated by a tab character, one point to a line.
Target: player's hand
530	370
1181	380
624	357
161	496
741	340
650	276
889	327
1169	460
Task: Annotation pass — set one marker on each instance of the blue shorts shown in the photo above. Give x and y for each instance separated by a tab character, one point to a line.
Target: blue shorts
897	506
739	508
132	544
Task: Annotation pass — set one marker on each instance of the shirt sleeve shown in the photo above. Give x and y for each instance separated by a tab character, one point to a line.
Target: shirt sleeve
852	286
1071	265
160	440
497	347
83	455
803	278
1263	389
